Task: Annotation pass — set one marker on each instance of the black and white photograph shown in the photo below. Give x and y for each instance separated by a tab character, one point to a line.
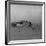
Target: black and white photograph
24	22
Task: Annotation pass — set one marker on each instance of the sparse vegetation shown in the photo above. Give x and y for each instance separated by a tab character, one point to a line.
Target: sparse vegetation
22	23
13	24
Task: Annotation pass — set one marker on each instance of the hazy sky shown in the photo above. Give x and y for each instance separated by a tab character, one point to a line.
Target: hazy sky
26	12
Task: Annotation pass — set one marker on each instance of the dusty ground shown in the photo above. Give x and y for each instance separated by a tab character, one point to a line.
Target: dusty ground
17	33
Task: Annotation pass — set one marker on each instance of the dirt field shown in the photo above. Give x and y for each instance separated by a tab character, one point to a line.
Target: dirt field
22	33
